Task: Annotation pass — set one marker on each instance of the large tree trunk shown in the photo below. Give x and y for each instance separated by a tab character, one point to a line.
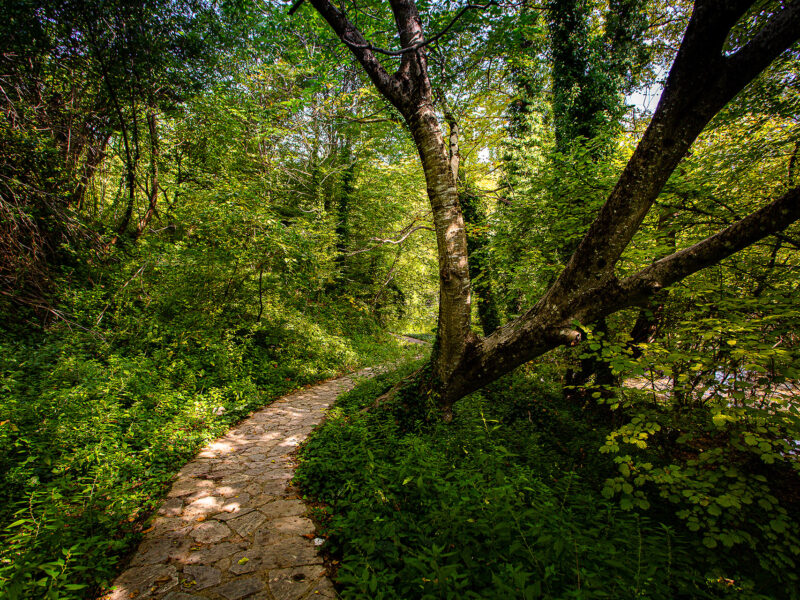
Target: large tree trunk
453	333
409	90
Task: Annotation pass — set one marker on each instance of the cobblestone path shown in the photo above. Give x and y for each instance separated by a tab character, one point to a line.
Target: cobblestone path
232	528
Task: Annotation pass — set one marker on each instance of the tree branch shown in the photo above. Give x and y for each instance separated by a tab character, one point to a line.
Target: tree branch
549	324
700	83
773	218
452	124
780	32
416	46
382	241
388	85
402	238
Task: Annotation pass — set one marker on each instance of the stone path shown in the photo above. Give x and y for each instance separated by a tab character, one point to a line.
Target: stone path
232	528
410	340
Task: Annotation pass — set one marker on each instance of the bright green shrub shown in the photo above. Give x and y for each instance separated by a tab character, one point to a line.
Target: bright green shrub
97	414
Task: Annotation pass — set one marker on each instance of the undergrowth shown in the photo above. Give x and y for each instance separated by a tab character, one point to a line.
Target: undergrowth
504	502
97	414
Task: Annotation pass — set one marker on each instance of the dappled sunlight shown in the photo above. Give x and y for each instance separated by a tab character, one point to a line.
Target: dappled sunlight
231	521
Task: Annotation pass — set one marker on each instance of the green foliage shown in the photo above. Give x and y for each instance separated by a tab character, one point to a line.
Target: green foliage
37	231
712	450
497	504
706	428
555	197
279	186
590	71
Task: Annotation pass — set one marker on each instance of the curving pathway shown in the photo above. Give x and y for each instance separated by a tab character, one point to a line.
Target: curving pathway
232	526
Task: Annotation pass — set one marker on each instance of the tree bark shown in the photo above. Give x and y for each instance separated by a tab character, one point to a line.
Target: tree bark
455	302
342	215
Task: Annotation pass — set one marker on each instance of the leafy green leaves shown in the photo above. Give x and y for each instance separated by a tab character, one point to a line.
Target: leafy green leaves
449	511
96	420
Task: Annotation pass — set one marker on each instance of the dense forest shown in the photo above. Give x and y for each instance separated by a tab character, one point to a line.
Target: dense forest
586	210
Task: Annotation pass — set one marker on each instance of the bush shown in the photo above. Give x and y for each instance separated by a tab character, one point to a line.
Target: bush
488	506
98	414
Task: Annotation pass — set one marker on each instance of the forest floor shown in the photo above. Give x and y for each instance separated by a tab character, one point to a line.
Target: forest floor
232	525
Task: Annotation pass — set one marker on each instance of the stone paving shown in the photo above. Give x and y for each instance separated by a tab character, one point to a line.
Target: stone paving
232	526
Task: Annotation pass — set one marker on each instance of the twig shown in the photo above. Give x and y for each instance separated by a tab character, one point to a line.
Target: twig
418	45
135	275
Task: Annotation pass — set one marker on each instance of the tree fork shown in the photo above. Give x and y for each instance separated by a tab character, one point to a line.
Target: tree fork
703	79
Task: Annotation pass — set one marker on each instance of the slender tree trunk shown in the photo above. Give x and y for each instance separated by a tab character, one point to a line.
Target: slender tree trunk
152	196
342	215
260	292
473	214
792	170
480	271
94	157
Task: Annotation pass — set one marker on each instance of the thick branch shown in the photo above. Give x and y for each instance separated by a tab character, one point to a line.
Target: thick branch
550	323
702	80
770	219
780	32
354	39
413	69
295	7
